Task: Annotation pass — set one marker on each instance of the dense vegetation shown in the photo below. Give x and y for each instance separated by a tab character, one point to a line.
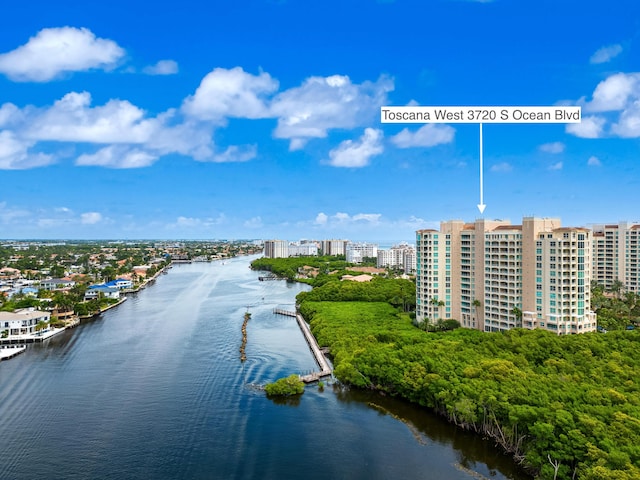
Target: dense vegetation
291	385
329	267
398	292
566	405
616	309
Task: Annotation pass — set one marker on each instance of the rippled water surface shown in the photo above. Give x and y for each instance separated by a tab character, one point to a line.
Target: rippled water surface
155	389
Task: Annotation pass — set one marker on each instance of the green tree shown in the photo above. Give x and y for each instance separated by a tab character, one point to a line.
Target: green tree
291	385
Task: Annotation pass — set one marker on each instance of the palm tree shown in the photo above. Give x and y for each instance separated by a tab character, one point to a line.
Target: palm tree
617	287
476	305
437	303
518	314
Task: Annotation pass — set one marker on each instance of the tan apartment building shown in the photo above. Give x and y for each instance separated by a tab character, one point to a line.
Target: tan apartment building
492	276
616	255
276	248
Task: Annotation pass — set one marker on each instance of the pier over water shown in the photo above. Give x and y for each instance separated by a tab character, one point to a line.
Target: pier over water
325	368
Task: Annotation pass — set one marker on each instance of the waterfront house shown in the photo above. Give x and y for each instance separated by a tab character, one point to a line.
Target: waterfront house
120	283
56	283
23	321
94	291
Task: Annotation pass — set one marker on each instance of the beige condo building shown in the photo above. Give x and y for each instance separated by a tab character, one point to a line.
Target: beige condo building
492	276
616	255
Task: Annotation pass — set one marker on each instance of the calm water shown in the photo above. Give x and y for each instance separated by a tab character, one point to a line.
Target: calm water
155	389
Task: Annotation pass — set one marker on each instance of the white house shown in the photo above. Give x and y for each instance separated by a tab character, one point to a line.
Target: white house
23	321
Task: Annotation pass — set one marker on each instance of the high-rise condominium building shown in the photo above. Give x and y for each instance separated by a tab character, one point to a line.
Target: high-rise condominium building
276	248
356	252
402	256
334	247
491	275
616	255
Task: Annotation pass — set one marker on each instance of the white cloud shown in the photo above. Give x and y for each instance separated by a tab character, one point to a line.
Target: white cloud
90	218
230	93
372	218
321	219
594	161
556	166
117	156
235	153
501	167
628	124
72	119
342	219
553	147
163	67
55	51
428	135
323	103
590	127
10	115
15	153
606	54
614	92
357	154
193	223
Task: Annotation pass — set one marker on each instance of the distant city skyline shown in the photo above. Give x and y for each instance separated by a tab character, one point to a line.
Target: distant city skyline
261	119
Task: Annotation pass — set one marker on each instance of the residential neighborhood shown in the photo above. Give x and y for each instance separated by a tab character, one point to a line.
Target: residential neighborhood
46	287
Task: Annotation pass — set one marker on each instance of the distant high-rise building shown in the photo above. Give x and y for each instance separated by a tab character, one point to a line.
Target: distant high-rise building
356	252
491	275
401	256
334	247
302	249
616	251
276	248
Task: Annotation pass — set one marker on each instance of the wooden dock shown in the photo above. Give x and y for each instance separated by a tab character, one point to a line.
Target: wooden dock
325	368
269	277
280	311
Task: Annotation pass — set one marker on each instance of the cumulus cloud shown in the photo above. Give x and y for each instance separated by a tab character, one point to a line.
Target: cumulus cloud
236	153
614	92
553	147
52	52
594	161
321	219
589	127
227	93
16	154
323	103
429	135
135	139
556	166
606	54
357	154
72	119
502	167
615	109
163	67
127	136
90	218
117	156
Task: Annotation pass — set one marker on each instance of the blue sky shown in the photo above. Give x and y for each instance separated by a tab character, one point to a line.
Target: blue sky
261	119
